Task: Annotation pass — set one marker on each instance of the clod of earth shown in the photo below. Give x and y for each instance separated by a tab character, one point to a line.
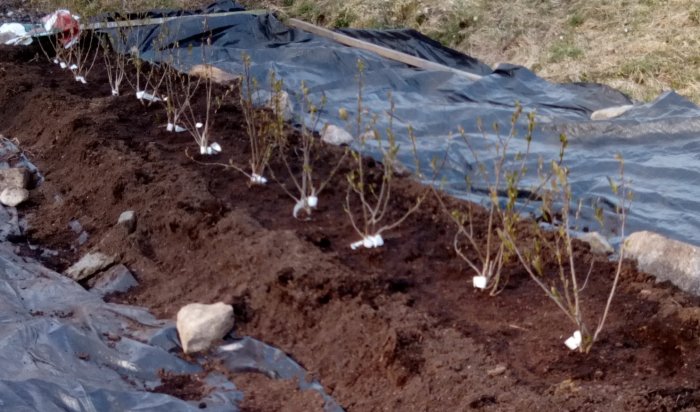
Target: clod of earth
200	325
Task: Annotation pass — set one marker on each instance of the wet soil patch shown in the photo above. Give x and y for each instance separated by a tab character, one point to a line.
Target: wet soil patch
396	328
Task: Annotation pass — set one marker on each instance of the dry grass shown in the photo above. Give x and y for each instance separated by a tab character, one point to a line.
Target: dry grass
642	47
88	8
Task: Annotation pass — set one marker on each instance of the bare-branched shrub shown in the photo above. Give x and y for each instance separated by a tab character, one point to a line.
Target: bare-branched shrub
373	197
501	177
185	87
257	123
564	283
83	55
307	183
115	64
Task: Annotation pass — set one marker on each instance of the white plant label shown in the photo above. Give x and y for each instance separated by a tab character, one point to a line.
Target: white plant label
142	95
175	128
310	202
257	179
115	92
80	79
55	61
480	282
73	67
368	242
199	125
574	342
63	65
213	149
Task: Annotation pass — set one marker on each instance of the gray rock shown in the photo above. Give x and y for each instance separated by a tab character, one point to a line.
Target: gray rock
666	259
128	220
598	243
14	177
115	279
200	325
336	136
13	196
88	265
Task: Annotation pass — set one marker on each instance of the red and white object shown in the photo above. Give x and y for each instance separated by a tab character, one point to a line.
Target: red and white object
66	24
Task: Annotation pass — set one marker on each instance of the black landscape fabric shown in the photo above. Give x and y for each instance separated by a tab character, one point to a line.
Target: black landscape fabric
659	141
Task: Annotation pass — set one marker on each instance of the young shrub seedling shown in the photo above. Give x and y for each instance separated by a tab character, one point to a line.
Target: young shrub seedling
257	124
502	179
373	198
563	284
181	105
308	186
83	55
115	63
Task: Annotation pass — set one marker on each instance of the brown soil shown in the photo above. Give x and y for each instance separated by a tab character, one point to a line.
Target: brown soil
398	328
263	394
187	387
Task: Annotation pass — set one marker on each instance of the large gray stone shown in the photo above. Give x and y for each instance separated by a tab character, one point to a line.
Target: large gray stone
14	177
115	279
666	259
336	135
598	243
13	196
200	325
88	265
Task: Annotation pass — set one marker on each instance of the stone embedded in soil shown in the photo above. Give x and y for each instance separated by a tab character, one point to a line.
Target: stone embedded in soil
14	177
666	259
128	220
116	279
598	243
498	370
13	196
88	265
336	136
200	325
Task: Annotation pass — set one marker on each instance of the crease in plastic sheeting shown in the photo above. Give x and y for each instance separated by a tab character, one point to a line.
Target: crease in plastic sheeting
250	355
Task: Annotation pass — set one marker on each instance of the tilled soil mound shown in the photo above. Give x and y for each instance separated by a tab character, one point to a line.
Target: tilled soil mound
398	328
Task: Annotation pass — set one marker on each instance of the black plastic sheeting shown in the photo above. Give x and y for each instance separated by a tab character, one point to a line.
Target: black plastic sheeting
660	141
62	348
